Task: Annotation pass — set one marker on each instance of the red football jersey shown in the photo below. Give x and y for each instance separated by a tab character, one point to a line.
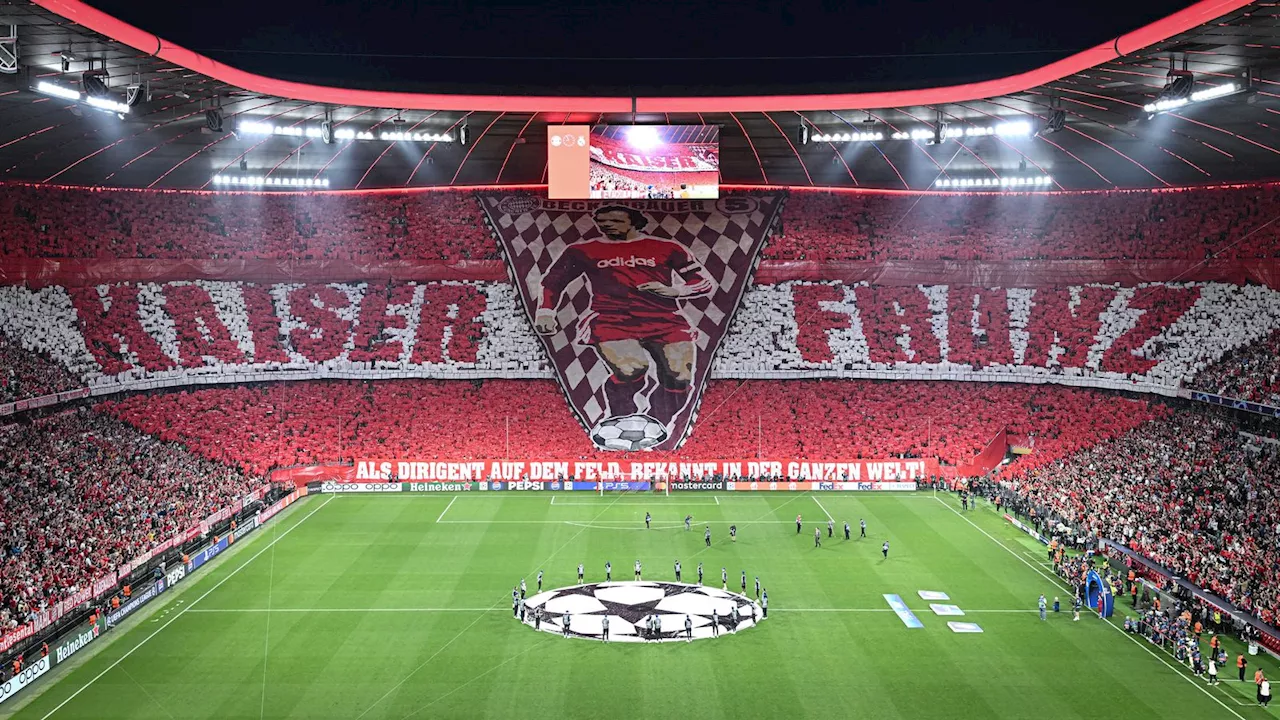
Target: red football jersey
615	269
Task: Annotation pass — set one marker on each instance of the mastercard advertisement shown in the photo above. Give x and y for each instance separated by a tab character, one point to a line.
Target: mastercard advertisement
637	162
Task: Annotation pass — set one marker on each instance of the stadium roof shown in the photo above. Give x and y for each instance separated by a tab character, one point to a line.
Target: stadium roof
1108	141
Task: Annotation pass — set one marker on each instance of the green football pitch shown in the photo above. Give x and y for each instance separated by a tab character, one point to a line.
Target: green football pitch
375	607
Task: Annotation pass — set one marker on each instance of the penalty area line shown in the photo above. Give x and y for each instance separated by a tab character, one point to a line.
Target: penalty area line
187	609
455	499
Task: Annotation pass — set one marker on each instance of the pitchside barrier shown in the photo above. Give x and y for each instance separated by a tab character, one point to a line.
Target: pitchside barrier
373	488
66	640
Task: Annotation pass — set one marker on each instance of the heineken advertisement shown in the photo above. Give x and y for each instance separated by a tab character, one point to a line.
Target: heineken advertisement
389	487
76	641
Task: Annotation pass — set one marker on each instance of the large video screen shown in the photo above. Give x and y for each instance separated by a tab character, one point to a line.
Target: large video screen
633	162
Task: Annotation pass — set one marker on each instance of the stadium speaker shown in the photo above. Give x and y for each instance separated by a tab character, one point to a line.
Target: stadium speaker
213	119
94	83
464	134
803	134
326	132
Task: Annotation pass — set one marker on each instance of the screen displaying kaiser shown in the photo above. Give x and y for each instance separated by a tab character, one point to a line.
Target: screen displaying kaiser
633	162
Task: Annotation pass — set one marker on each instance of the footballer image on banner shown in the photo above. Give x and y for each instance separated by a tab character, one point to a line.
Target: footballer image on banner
631	301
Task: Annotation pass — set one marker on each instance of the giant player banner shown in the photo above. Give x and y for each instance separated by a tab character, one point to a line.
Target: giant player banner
631	301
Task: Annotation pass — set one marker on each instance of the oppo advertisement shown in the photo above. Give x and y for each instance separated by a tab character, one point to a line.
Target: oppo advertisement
633	162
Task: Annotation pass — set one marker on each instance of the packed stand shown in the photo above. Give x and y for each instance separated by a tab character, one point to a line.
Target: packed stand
1186	224
85	493
446	226
82	223
1187	491
25	374
282	424
1250	372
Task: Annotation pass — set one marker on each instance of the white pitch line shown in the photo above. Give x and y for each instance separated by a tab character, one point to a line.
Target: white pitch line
187	609
563	522
455	498
641	504
717	497
495	608
1058	581
824	510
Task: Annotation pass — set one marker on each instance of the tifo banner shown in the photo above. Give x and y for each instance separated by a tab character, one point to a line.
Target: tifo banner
1149	338
388	475
632	300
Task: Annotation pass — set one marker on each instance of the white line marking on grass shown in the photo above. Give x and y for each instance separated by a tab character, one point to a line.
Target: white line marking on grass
187	608
717	497
644	504
1058	581
824	510
579	522
455	497
479	616
266	635
496	608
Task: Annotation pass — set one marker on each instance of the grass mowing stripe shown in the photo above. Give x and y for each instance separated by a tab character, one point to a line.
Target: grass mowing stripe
1058	581
182	612
479	616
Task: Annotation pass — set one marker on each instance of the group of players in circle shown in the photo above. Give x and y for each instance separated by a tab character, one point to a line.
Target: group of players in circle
762	594
519	611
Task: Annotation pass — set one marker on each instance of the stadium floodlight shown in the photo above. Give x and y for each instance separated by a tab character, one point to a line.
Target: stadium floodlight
845	137
107	104
1166	104
945	131
47	88
256	181
1008	181
643	137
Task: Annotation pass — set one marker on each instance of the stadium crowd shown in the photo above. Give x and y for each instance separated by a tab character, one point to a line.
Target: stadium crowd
1186	490
25	374
259	427
821	226
85	493
1250	372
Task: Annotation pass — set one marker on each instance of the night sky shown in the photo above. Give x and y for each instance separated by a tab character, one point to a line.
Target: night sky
640	48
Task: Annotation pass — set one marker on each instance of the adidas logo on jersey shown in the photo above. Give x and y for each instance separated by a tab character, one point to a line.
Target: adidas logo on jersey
632	261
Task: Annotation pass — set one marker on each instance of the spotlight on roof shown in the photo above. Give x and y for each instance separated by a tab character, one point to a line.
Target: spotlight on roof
643	137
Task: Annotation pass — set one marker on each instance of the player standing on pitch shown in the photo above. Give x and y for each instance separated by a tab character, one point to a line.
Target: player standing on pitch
637	283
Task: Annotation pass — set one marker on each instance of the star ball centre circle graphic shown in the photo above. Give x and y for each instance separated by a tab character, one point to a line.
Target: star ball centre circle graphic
641	611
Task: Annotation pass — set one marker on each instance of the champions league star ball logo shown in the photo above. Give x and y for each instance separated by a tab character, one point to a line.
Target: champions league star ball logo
635	607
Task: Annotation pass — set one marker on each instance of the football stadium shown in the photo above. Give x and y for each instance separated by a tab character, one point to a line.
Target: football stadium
369	361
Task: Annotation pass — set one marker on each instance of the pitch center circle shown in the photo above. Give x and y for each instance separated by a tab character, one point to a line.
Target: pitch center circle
640	611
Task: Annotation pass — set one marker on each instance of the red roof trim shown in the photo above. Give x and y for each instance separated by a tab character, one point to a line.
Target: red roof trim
1198	14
